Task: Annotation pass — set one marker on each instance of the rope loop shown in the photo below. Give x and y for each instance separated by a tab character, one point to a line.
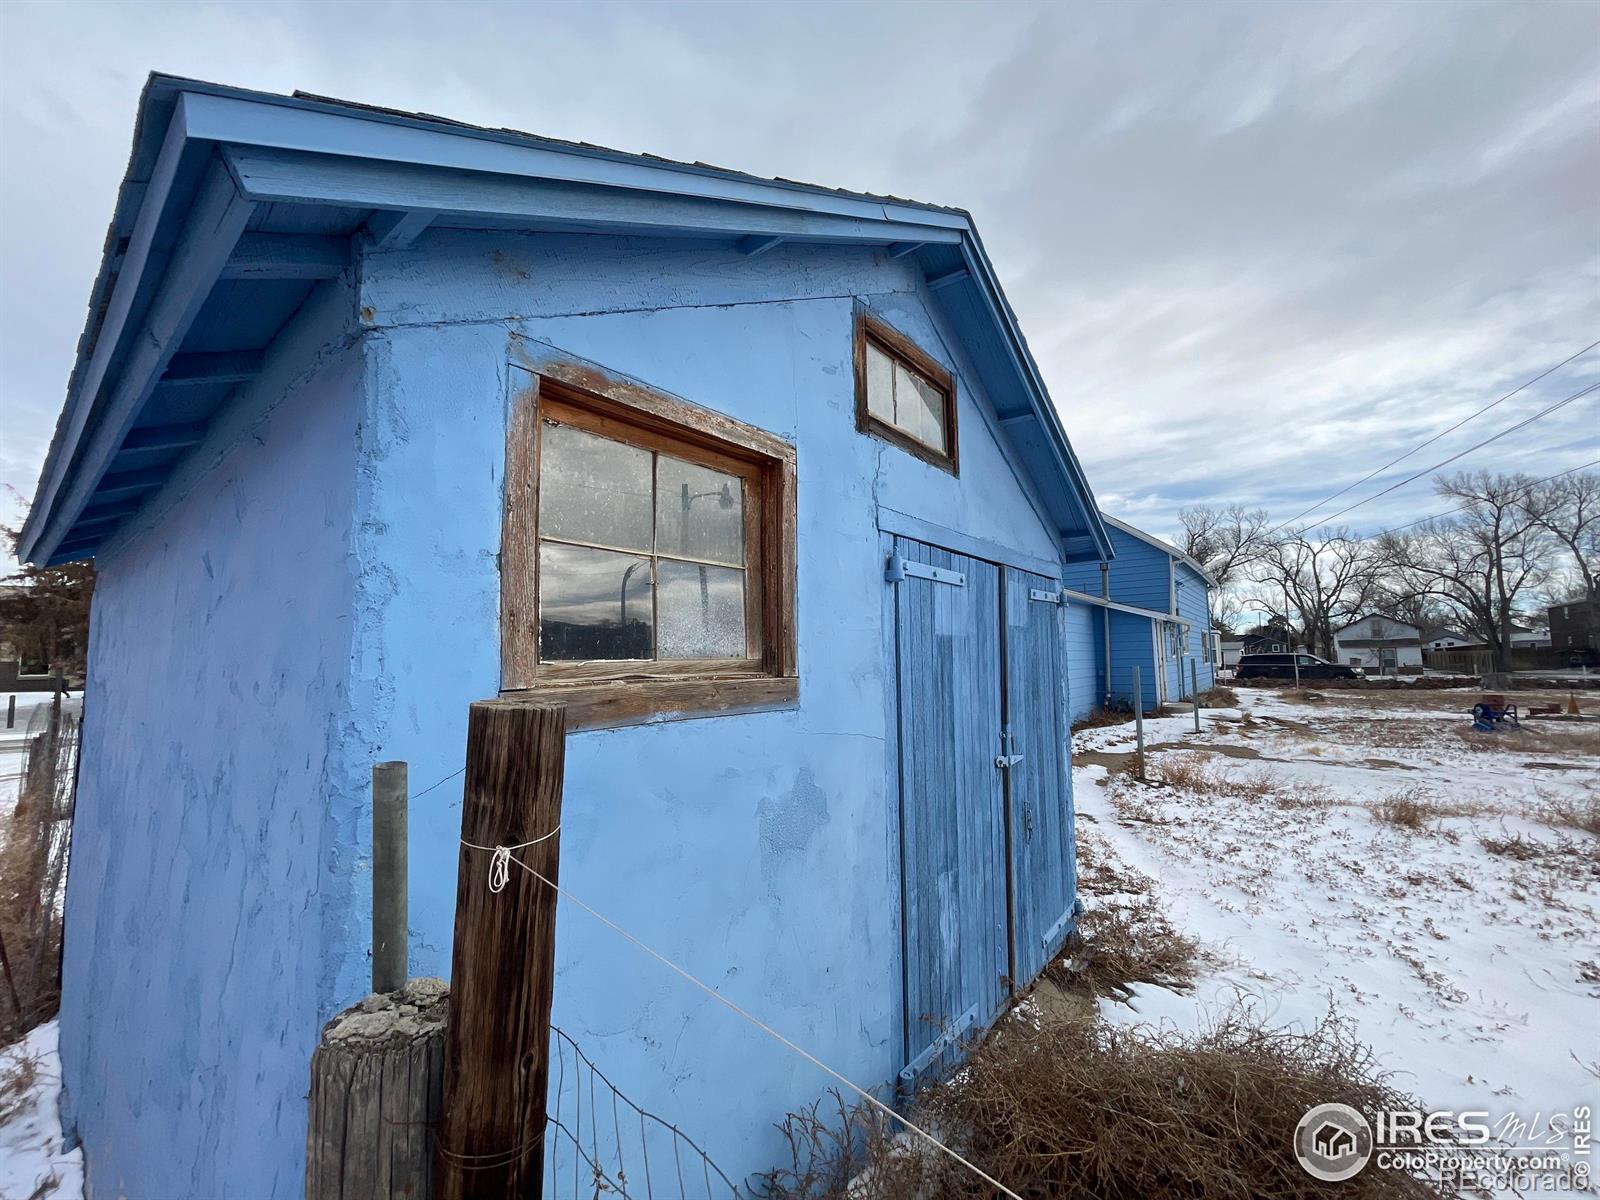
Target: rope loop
499	868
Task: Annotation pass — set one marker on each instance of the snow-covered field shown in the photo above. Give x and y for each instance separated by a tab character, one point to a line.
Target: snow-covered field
1466	951
32	1161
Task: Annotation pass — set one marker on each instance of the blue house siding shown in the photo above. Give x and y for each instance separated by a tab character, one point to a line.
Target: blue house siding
1138	574
1194	605
211	858
1085	661
1147	577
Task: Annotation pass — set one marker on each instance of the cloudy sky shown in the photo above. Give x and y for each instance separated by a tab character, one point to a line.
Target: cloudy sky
1258	249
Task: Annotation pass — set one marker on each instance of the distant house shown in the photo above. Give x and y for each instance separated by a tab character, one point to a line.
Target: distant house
1266	639
1379	645
1148	607
1442	637
377	415
1575	626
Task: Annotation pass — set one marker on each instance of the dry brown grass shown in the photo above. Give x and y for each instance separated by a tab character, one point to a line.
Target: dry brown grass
1124	936
18	1073
1570	812
1076	1110
33	946
1219	697
1101	718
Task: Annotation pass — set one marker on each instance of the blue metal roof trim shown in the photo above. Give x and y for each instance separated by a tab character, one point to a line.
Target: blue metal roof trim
183	123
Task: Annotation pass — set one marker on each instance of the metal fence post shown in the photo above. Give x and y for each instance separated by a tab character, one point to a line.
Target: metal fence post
1194	691
390	786
1138	718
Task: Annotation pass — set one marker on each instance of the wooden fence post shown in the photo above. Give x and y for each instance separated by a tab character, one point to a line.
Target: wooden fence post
497	1063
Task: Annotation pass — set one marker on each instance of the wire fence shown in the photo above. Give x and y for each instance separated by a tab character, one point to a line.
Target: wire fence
603	1145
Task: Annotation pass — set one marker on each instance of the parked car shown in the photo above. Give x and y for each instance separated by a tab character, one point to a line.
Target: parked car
1282	666
1583	658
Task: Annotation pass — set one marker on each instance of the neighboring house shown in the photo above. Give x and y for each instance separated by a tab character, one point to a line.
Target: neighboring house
1266	639
1148	608
1575	625
1444	638
1380	645
378	415
1230	649
1527	637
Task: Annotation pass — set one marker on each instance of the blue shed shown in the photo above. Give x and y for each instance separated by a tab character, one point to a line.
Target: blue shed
376	415
1148	607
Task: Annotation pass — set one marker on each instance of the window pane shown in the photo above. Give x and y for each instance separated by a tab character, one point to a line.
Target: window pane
700	611
919	407
699	512
593	604
880	384
592	489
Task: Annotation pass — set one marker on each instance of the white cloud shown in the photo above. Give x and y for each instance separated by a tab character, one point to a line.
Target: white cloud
1258	249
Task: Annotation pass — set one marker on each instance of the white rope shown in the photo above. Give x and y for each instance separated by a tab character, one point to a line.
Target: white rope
499	864
502	855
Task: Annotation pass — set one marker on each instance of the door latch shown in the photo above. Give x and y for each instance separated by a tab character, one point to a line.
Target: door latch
1008	757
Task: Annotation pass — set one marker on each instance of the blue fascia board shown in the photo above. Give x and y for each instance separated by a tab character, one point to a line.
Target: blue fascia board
290	123
1049	420
139	208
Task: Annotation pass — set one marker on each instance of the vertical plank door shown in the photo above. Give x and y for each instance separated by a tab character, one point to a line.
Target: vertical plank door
952	839
1039	778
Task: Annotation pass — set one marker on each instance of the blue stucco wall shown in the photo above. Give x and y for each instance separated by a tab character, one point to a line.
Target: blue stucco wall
318	589
201	868
756	850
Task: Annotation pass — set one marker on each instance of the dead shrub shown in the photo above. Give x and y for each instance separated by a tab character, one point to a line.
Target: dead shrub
1409	809
1122	941
18	1073
1079	1110
1219	697
1101	718
1565	855
1570	812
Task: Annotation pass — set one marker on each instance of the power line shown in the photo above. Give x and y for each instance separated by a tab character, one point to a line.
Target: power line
1509	429
1459	507
1442	433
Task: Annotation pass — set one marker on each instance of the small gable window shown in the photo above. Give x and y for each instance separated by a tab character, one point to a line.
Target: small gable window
903	395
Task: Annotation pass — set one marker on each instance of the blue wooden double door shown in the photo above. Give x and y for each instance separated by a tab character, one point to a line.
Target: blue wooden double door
987	872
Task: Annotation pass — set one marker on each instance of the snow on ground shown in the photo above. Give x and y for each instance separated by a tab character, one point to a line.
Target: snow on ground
31	1154
1475	975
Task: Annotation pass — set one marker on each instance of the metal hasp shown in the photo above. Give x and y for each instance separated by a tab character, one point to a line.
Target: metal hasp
898	568
1044	597
1008	756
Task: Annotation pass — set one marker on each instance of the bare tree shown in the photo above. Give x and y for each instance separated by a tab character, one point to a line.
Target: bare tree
1568	508
1480	561
1225	541
1322	579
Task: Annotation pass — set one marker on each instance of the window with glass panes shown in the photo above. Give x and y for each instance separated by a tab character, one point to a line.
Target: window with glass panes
644	549
903	395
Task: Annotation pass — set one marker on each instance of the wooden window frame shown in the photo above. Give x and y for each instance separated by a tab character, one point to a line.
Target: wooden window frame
897	346
607	693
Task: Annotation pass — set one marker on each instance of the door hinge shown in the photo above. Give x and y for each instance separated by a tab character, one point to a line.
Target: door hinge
897	569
